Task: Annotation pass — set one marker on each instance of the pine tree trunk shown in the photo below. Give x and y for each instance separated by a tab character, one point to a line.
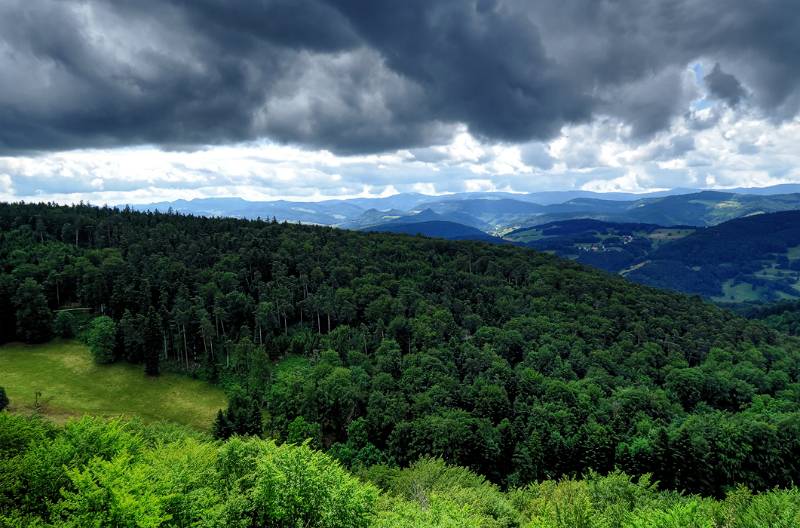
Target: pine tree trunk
185	347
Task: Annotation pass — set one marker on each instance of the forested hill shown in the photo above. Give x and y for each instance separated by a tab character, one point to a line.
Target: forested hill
516	364
747	259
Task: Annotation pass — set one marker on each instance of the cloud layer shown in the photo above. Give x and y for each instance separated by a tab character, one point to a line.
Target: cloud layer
521	94
357	76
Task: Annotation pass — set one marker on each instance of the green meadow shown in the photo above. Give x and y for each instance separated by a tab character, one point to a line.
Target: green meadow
60	379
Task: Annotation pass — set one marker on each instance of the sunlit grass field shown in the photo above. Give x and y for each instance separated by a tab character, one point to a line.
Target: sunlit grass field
70	384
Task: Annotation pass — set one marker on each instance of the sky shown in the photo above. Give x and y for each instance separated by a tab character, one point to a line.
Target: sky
136	101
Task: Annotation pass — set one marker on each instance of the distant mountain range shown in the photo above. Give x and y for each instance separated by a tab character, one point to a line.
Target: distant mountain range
501	213
710	243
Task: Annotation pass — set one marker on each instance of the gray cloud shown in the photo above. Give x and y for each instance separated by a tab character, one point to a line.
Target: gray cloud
375	75
724	86
482	64
677	147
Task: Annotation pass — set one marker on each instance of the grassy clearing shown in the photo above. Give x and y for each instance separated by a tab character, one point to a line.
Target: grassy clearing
668	234
793	253
741	292
70	384
531	235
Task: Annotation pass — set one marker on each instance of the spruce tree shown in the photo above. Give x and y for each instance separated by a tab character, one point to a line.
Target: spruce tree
242	417
222	427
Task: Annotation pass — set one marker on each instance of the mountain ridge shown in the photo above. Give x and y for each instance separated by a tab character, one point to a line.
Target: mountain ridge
499	213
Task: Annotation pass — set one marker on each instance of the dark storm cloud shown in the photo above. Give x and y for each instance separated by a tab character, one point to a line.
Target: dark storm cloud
373	75
724	86
304	24
478	63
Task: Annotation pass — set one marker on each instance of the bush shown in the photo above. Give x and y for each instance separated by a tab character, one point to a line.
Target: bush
101	338
65	324
287	486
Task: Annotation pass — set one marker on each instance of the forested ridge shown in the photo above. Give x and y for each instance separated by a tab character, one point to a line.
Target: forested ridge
734	252
386	348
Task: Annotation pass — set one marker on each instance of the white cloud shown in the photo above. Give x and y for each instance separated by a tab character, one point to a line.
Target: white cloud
631	182
733	148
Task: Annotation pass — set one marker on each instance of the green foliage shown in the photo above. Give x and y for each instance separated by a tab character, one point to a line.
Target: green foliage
299	431
242	417
91	472
782	316
438	512
34	320
101	338
40	467
514	364
65	325
358	451
431	481
132	328
288	486
114	492
731	262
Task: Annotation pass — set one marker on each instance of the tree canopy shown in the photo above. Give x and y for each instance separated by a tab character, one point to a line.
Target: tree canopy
390	348
89	472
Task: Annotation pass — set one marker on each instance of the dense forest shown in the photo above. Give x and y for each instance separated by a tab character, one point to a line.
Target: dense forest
782	316
126	474
384	349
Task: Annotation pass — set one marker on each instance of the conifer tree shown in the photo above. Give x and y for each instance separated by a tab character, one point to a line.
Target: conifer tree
34	319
